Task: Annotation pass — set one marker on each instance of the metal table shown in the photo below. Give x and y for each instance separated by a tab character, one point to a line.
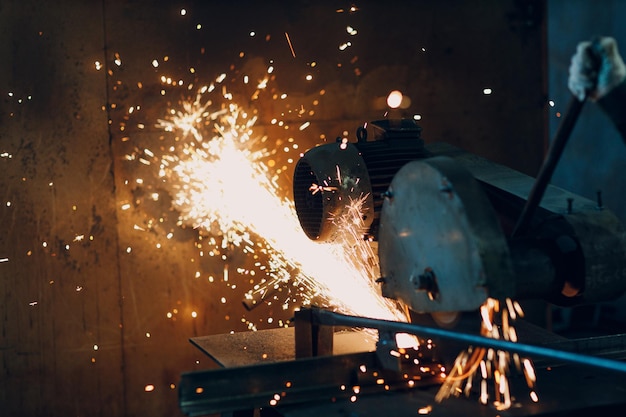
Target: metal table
260	376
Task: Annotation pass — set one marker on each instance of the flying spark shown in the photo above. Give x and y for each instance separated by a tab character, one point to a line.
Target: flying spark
293	53
216	174
219	182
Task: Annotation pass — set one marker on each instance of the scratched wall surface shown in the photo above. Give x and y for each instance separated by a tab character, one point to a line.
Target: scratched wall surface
60	290
101	284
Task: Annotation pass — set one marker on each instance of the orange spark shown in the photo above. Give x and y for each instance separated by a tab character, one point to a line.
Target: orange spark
293	53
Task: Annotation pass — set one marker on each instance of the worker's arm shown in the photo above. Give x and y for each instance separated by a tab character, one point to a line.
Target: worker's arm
597	72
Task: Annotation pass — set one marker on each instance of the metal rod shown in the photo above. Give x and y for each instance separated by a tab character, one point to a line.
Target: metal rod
337	319
594	53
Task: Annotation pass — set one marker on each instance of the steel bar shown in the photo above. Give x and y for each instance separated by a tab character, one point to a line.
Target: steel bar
337	319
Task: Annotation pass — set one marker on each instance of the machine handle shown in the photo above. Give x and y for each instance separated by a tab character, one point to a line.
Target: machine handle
556	149
549	164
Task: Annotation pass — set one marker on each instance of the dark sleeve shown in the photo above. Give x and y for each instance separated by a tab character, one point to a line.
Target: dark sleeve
614	105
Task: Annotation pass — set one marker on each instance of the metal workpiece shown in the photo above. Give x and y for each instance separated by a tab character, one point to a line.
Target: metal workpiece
330	318
440	244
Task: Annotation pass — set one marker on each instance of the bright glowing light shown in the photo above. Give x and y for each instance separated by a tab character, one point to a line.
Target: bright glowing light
405	340
425	410
293	53
219	181
394	99
534	397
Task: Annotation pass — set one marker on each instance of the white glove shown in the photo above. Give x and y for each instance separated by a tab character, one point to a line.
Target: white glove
586	79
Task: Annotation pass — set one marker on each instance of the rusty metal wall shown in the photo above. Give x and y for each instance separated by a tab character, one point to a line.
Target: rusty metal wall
101	288
59	285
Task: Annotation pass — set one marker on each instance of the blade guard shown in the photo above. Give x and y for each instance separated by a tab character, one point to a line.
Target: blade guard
441	248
